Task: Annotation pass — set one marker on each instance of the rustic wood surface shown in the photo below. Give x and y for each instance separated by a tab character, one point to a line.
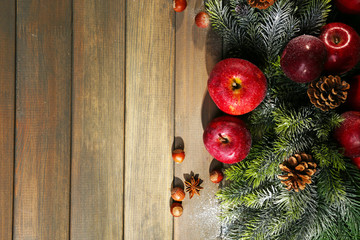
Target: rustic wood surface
197	51
98	119
94	96
7	107
43	113
149	114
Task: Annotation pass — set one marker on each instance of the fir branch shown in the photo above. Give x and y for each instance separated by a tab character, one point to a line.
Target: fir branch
224	23
278	26
284	147
328	155
248	20
295	204
330	186
291	122
313	15
261	119
326	123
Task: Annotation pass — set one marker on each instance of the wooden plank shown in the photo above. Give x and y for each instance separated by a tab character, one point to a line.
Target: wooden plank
43	97
149	119
7	100
98	120
197	51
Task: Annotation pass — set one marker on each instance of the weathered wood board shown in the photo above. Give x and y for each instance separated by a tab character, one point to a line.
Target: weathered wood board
149	114
43	115
7	108
98	120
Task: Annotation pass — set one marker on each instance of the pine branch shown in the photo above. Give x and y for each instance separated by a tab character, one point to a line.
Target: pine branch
284	147
326	123
278	26
330	186
328	155
248	20
224	23
293	122
313	15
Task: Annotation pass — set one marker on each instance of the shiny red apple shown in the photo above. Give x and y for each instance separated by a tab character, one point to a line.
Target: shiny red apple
237	86
353	98
356	161
303	58
348	6
227	139
343	47
348	134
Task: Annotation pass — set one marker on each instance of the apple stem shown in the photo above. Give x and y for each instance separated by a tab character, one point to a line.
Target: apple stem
223	139
235	85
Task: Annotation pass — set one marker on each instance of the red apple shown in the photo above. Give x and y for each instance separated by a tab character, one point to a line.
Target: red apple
303	58
348	134
348	6
237	86
353	98
227	139
342	45
356	161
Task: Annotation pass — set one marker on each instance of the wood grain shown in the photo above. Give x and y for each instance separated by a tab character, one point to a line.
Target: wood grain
197	51
149	119
42	153
98	120
7	108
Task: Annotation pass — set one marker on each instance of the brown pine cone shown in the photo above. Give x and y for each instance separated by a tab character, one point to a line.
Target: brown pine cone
328	92
299	168
261	4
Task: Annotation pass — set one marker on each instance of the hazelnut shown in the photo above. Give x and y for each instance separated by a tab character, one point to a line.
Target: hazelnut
176	209
216	176
178	155
177	194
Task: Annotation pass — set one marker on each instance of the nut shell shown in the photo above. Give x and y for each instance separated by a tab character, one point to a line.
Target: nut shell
177	194
216	176
178	155
176	209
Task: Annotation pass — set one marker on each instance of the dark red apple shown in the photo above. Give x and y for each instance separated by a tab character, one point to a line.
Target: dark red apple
227	139
343	47
303	58
348	6
356	161
348	134
353	98
237	86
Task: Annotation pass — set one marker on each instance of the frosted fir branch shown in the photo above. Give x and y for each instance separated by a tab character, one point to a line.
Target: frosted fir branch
223	22
330	186
278	26
293	122
328	155
313	15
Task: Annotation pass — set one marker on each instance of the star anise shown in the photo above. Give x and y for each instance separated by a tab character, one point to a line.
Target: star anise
193	186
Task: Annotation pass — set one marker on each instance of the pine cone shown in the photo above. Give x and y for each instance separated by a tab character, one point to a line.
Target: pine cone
261	4
328	92
299	168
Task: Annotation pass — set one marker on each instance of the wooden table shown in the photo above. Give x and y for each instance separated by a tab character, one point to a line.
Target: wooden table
93	94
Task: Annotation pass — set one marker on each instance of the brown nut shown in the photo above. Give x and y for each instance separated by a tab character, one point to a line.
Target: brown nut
177	194
178	155
176	209
216	176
